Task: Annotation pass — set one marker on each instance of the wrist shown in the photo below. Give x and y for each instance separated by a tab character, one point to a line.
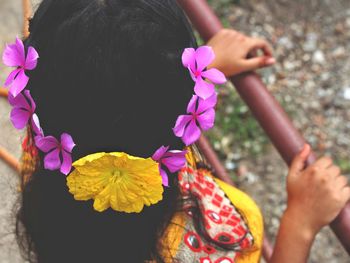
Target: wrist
294	238
298	221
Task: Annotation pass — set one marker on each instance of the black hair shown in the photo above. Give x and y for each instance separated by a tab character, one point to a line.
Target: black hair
110	74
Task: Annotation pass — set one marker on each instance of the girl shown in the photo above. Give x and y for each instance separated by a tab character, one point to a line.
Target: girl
110	74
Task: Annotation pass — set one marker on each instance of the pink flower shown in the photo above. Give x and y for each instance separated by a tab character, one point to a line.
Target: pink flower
173	160
201	115
14	56
58	153
196	61
23	111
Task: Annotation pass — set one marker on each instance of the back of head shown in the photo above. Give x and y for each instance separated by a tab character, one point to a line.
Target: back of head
110	74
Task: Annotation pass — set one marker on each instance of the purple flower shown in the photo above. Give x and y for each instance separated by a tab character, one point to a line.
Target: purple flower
36	126
23	112
201	115
58	153
196	61
14	56
173	160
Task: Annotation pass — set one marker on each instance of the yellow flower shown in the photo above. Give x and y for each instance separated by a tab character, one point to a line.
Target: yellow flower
117	180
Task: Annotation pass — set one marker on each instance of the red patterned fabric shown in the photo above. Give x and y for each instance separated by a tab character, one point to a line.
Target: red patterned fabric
217	232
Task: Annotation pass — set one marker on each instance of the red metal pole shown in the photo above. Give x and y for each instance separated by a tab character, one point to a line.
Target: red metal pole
27	12
210	155
4	92
10	160
285	137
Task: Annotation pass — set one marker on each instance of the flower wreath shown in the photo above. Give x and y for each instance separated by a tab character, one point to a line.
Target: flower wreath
117	180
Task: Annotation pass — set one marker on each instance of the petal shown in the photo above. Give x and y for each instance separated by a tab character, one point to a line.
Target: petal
102	200
67	142
85	187
20	50
37	138
214	75
180	125
206	120
52	160
209	103
19	101
159	153
19	118
36	125
46	144
174	160
192	74
32	59
204	56
19	83
189	59
11	77
204	89
31	100
13	55
164	175
191	108
67	163
191	134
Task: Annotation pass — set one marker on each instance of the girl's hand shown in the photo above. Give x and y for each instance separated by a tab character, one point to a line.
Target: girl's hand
316	194
237	53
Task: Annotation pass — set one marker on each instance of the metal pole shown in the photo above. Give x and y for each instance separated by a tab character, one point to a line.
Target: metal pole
10	160
285	137
27	12
210	155
4	92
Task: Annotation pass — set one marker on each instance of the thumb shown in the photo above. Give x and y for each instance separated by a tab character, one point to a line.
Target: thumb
299	160
257	62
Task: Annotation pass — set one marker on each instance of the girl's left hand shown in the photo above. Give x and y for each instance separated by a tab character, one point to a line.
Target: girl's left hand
237	53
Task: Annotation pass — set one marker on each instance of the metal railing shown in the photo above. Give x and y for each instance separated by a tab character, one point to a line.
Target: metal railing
270	115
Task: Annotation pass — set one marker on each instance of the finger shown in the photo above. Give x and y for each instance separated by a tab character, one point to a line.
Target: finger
342	181
258	43
256	62
334	171
298	162
346	193
324	162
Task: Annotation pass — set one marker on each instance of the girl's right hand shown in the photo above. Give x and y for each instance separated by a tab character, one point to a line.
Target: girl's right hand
316	194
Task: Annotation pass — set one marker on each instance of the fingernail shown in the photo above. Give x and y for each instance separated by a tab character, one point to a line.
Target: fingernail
270	61
306	150
303	150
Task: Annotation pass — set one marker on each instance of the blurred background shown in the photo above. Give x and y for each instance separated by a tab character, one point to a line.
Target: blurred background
311	80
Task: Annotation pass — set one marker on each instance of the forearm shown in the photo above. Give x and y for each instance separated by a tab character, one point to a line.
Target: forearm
293	241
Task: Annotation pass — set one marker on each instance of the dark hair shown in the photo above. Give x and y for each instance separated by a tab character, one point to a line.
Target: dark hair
109	74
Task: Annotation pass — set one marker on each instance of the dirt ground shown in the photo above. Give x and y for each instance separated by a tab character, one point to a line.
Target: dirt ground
311	80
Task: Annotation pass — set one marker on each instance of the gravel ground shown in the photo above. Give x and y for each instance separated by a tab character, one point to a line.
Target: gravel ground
311	80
